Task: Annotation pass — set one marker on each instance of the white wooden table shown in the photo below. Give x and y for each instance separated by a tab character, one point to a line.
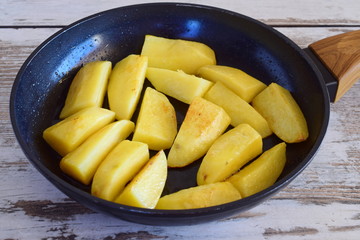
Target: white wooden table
322	203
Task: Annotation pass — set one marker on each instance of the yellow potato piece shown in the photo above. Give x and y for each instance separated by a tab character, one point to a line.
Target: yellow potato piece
177	84
244	85
177	54
204	122
262	173
200	196
66	135
156	124
229	153
125	85
118	168
146	187
82	163
87	88
283	114
239	110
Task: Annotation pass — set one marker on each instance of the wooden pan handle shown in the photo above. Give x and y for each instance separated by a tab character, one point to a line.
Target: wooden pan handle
341	55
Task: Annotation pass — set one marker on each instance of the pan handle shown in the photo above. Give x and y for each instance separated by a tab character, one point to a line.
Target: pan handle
341	55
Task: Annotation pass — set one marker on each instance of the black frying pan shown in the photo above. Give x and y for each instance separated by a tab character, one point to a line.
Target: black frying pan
40	88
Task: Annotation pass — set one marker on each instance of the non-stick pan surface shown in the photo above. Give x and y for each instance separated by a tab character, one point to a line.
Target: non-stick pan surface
40	88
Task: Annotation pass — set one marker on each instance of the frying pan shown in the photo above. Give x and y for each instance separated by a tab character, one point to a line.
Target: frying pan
40	87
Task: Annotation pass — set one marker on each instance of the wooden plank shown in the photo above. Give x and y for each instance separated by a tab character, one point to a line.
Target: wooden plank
32	208
280	12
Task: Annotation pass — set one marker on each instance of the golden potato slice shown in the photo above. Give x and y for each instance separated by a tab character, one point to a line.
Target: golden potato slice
200	196
177	84
175	54
261	173
125	85
283	114
118	168
146	187
204	122
82	163
236	80
87	88
229	153
239	110
156	124
66	135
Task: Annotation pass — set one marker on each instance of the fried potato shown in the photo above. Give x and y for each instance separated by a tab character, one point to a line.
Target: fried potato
244	85
283	114
66	135
177	54
229	153
261	173
204	122
82	163
156	124
178	84
119	167
125	85
88	88
146	187
200	196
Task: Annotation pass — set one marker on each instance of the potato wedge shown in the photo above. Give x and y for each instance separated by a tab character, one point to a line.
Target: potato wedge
244	85
87	88
204	122
175	54
229	153
177	84
200	196
66	135
239	110
283	114
118	168
156	124
145	189
261	173
125	85
82	163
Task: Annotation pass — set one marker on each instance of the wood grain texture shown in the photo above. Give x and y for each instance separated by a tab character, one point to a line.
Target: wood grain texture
278	12
341	55
323	202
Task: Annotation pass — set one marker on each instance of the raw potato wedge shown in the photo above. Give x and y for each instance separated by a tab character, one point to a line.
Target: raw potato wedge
82	163
177	54
177	84
239	110
200	196
146	188
87	88
204	122
261	173
156	124
236	80
66	135
229	153
283	114
125	85
118	168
